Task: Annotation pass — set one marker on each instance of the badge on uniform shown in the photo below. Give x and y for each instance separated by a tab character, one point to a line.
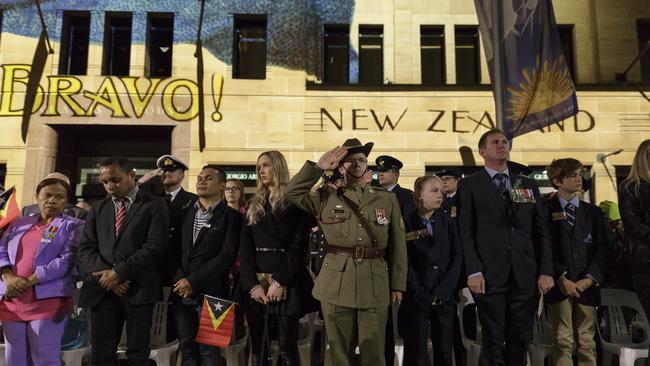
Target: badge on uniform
453	212
589	239
522	195
558	216
381	216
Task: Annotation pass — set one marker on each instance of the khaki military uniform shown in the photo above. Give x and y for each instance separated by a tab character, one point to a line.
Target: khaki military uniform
354	294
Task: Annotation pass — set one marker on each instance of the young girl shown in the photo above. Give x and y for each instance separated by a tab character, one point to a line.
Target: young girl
434	263
273	252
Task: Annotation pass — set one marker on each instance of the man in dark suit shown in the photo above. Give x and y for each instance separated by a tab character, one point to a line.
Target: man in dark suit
124	239
210	241
179	201
580	242
70	209
450	178
506	250
388	168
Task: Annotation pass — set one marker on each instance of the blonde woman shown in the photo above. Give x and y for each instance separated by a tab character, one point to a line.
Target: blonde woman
273	252
634	203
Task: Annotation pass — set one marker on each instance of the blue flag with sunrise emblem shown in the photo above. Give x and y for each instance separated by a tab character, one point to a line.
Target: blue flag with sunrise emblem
537	86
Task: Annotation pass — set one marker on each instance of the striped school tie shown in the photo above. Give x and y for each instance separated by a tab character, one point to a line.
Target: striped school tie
119	217
570	211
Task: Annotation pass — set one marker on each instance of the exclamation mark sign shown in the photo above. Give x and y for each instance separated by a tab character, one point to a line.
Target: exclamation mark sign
217	89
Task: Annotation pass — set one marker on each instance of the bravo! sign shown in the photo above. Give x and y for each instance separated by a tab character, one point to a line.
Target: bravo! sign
119	97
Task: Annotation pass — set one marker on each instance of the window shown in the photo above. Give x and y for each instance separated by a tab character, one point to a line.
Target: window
337	54
371	54
249	48
432	54
117	44
643	32
468	69
160	40
566	40
3	168
75	34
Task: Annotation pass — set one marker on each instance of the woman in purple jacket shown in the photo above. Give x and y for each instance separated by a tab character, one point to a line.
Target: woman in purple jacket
37	261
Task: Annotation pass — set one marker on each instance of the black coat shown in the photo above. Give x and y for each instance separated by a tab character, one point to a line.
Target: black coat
134	254
182	203
434	263
449	208
579	250
286	229
496	238
206	261
405	200
635	212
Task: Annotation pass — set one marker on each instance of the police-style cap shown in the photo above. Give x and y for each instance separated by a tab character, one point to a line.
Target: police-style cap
169	163
450	172
354	146
385	163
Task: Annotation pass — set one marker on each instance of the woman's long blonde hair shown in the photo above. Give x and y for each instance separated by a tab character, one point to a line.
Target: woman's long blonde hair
640	169
280	173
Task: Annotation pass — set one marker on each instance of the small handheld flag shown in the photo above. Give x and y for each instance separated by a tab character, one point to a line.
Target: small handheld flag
216	325
13	211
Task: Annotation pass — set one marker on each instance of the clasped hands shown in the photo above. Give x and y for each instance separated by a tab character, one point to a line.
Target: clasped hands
15	285
273	294
183	288
109	280
574	289
476	284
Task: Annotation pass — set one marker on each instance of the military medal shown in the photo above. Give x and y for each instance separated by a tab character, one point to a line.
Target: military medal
381	216
522	195
558	216
453	211
49	234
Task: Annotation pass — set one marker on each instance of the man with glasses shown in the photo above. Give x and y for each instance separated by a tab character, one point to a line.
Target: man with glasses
360	223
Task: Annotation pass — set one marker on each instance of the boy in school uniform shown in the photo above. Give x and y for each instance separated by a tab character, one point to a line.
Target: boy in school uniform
579	240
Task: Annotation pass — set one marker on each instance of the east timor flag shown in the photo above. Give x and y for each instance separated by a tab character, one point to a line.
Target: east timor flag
217	317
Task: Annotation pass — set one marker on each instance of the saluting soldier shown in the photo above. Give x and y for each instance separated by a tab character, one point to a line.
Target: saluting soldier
360	223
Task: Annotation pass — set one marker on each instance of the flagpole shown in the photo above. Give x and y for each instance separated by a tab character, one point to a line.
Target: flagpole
44	28
497	48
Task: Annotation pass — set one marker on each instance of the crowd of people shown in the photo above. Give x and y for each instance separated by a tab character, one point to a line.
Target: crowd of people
373	247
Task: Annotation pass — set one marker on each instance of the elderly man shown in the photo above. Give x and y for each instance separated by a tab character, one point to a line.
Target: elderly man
361	223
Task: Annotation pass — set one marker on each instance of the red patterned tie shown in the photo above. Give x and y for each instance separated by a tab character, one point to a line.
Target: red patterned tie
119	217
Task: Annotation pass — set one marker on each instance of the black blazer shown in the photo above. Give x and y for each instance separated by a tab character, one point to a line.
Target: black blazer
434	263
183	202
206	262
405	200
496	238
133	254
286	229
578	250
635	212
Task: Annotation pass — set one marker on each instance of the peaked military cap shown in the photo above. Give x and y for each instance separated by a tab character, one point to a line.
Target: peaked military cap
453	172
169	163
385	163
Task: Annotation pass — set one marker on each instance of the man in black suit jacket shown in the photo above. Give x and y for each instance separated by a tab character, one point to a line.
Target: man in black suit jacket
388	168
580	243
506	250
210	235
124	238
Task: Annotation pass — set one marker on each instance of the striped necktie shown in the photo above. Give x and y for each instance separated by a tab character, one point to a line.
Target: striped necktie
570	211
121	213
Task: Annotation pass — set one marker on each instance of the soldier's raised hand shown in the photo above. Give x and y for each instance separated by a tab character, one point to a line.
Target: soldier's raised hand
330	160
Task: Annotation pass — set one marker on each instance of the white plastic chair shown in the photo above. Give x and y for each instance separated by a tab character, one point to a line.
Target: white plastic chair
236	352
620	343
541	346
161	351
472	346
305	343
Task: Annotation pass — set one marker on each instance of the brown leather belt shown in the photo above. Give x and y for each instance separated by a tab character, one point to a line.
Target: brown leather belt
358	252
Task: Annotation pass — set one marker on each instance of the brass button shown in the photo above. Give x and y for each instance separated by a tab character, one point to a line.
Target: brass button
361	212
359	225
360	239
325	264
